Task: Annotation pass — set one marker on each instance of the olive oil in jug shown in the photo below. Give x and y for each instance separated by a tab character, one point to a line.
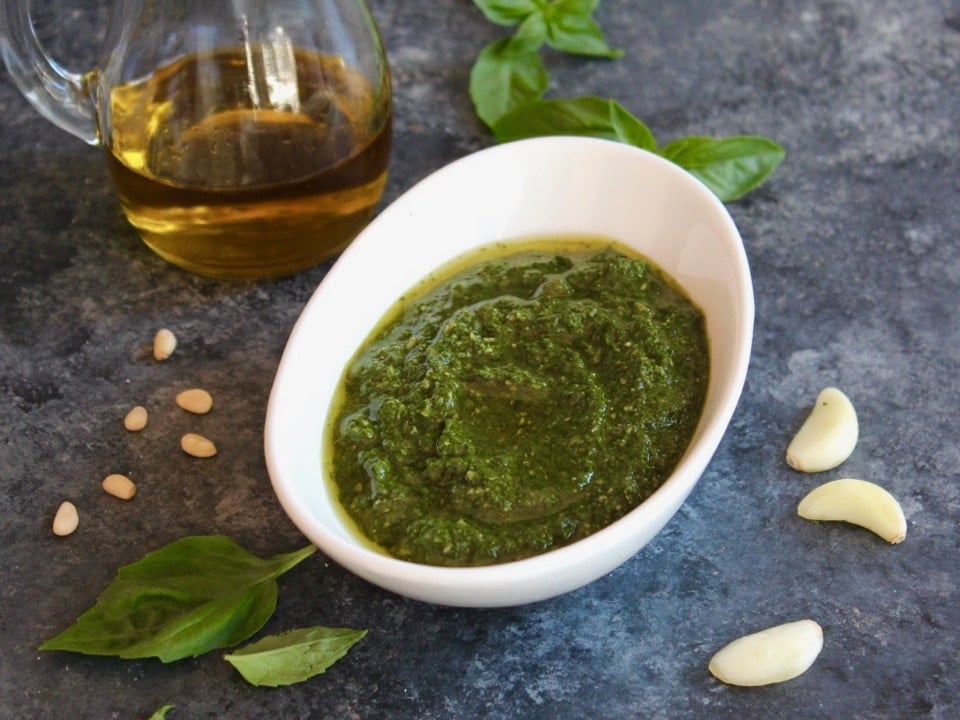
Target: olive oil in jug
245	138
218	184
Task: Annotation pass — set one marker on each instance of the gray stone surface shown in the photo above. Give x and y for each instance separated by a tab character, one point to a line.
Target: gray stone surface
855	250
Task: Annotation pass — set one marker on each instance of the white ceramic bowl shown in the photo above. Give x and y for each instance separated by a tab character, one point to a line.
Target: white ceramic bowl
531	187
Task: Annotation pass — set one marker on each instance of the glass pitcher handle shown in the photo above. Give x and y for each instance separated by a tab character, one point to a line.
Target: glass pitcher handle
63	97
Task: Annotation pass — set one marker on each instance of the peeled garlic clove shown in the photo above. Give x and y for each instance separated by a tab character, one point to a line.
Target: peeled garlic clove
859	502
770	656
827	436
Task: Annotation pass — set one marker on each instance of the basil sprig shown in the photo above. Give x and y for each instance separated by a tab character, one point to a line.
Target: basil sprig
565	25
293	656
510	72
197	594
509	79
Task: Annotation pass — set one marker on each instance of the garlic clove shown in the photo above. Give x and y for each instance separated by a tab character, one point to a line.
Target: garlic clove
770	656
828	435
858	502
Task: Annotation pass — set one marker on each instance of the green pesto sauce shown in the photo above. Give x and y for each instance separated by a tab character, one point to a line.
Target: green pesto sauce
517	402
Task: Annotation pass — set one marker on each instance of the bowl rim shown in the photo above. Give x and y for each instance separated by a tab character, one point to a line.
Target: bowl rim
389	572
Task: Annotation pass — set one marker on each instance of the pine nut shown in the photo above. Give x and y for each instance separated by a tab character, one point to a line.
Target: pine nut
858	502
770	656
136	419
828	435
119	486
196	401
66	520
197	446
164	343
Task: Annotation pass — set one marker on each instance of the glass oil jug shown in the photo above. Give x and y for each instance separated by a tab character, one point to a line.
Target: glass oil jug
245	138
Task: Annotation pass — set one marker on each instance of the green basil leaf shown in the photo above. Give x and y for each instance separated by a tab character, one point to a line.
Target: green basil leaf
730	167
293	656
161	713
529	36
588	116
503	77
195	595
629	129
577	7
507	12
571	29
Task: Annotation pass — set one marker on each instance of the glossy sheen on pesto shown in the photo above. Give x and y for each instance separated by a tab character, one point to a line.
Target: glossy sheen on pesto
517	404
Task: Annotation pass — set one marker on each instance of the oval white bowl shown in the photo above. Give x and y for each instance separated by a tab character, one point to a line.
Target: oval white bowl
531	187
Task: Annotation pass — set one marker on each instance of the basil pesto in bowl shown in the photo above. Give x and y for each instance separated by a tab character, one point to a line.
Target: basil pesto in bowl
518	403
515	375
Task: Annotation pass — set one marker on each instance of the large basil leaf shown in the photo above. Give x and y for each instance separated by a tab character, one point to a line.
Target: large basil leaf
195	595
588	116
506	74
731	166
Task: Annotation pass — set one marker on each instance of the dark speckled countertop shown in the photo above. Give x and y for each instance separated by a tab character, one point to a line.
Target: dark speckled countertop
854	246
